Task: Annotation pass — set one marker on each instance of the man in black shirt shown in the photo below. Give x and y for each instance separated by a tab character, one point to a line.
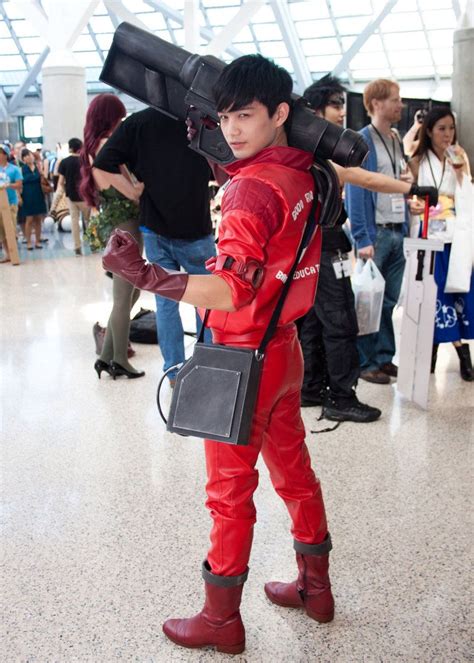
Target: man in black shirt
328	332
174	207
69	171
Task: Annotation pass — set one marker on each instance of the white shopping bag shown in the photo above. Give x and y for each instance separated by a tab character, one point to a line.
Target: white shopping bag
368	285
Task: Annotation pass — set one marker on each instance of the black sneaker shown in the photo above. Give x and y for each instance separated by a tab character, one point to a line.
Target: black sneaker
313	399
352	410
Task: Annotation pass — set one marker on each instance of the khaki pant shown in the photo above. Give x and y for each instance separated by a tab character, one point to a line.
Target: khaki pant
13	212
75	209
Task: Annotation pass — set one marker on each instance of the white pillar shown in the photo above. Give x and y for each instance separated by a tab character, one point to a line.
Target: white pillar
463	81
64	102
63	78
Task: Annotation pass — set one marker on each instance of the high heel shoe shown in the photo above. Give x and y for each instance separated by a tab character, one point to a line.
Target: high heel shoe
117	370
102	366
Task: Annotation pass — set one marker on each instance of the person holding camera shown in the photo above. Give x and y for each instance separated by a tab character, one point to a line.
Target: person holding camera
411	138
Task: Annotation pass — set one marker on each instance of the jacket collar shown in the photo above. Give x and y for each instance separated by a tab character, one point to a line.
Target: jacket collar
284	156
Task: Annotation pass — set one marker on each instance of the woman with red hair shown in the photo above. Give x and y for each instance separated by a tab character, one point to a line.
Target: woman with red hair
118	208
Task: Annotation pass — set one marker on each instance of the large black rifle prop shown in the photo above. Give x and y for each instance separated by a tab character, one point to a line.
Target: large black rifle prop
180	84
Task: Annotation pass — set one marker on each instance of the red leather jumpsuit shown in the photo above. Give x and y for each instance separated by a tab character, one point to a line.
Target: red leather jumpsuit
265	208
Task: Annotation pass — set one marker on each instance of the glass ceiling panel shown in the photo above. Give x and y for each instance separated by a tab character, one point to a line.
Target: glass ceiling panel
136	6
104	41
4	31
439	19
32	58
8	47
406	22
411	72
312	29
267	31
441	38
352	26
221	3
327	46
373	44
101	24
154	21
222	16
397	40
273	49
264	15
11	63
345	8
435	4
14	9
244	35
84	43
305	11
24	29
367	60
323	62
32	44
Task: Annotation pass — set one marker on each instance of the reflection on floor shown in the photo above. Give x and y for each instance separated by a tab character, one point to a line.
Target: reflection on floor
104	527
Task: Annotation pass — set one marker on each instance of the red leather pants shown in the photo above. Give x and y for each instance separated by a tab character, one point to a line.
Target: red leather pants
278	432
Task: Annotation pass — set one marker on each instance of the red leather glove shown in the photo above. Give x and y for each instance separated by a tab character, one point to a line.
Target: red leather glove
122	257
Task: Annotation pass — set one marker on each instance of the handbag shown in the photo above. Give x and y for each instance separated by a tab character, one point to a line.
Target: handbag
46	187
216	390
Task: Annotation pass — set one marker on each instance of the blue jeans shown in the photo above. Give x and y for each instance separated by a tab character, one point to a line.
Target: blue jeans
173	254
378	349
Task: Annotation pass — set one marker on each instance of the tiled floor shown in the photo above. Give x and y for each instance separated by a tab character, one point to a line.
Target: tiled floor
104	527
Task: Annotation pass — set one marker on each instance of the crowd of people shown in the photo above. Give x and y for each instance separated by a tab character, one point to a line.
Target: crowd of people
39	182
149	190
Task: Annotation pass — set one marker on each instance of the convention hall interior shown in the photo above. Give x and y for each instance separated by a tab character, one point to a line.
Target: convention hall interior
105	527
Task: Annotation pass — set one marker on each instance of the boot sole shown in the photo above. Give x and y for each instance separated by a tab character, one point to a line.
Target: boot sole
321	618
223	649
333	416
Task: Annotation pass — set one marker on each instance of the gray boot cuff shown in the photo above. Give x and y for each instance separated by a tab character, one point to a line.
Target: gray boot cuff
318	549
222	581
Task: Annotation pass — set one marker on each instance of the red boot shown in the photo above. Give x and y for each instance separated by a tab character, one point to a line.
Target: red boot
312	589
219	623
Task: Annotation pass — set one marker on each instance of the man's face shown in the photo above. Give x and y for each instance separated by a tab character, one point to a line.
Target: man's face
335	111
250	130
389	109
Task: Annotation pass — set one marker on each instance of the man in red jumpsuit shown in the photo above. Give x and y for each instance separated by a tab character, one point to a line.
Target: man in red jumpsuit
264	212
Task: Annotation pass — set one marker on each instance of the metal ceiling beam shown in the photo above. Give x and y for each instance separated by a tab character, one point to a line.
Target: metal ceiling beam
174	15
224	38
425	32
456	9
292	41
96	42
4	112
29	80
117	8
367	32
338	37
191	26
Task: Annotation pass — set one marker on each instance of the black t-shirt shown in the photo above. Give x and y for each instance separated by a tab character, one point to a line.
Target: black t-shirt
335	239
70	169
175	202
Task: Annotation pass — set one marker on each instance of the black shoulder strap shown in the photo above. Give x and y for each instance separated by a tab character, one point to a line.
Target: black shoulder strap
307	235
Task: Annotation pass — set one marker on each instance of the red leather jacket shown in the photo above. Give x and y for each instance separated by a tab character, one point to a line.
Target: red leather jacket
264	211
